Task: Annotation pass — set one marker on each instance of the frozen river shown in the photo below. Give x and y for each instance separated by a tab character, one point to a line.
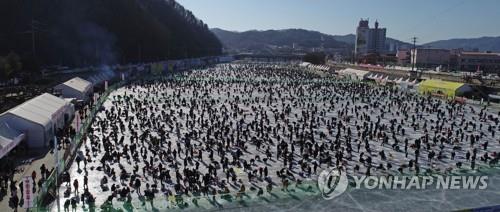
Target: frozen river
234	123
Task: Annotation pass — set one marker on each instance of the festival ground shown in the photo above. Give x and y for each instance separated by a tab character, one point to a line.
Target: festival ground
241	135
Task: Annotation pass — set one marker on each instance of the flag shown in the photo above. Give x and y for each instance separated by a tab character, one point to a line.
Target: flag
28	192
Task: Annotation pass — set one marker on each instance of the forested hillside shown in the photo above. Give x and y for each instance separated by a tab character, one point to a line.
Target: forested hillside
94	32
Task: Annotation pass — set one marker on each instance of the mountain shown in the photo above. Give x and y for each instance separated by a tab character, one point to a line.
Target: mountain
262	41
481	44
391	43
95	32
394	44
266	40
349	38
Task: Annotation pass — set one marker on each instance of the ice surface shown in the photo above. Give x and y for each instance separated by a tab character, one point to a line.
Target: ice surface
253	94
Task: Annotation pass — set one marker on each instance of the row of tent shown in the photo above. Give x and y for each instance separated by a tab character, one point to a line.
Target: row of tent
183	64
353	74
315	67
37	120
431	86
106	73
391	79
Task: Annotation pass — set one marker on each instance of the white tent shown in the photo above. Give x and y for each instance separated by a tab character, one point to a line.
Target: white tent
77	88
305	64
354	73
39	118
372	76
9	138
311	66
323	68
493	96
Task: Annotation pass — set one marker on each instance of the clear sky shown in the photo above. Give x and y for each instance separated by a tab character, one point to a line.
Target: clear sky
429	20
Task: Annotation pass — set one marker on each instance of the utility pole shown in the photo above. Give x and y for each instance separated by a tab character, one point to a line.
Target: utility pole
36	27
33	40
96	53
140	53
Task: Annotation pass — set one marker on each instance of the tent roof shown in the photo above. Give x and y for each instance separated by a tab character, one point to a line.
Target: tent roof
442	84
78	84
305	64
494	96
6	132
9	138
40	109
357	72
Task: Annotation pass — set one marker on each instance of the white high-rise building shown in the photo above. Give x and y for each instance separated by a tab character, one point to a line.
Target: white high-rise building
370	40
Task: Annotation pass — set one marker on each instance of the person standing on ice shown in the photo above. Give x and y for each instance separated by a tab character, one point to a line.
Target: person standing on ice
75	186
137	186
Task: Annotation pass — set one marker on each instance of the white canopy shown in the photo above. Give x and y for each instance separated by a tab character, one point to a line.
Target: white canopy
372	76
494	96
359	74
41	109
305	64
9	138
79	84
38	118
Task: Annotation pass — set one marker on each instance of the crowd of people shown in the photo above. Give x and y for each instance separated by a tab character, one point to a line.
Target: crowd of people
239	127
13	169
